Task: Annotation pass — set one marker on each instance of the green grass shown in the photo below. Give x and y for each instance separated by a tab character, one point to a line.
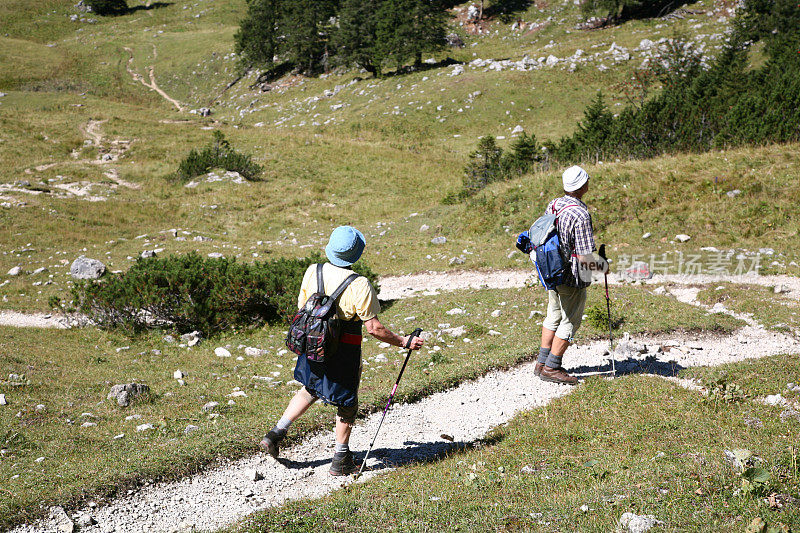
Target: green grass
776	311
86	461
635	444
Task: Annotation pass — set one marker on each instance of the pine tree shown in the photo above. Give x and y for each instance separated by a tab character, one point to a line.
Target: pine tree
484	165
355	40
306	26
255	42
593	130
407	29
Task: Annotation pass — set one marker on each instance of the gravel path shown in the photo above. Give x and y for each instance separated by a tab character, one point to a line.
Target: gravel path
430	283
420	431
39	320
412	432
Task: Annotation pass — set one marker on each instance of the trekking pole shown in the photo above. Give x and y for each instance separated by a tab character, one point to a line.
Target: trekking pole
415	333
602	253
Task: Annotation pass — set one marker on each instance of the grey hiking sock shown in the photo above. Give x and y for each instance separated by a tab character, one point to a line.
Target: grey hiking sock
553	361
543	353
283	424
341	448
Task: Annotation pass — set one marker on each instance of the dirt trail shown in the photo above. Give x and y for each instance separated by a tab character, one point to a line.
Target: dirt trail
152	85
412	432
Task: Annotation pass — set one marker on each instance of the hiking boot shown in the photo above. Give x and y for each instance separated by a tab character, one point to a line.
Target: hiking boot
537	368
271	440
557	375
343	464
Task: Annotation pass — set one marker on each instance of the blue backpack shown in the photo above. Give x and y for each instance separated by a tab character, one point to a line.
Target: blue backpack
551	259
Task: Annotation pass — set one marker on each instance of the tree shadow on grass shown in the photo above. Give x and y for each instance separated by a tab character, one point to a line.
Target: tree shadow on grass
154	5
505	10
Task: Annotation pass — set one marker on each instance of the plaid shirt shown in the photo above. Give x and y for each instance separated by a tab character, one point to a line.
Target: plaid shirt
575	231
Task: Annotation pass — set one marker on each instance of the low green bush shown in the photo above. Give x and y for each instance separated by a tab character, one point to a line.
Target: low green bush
218	154
191	292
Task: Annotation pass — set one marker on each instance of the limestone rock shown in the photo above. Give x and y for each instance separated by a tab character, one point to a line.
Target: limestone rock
16	271
210	406
126	393
682	237
192	338
85	268
439	240
634	523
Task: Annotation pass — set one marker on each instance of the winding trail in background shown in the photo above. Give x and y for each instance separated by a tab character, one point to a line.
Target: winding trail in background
153	86
417	432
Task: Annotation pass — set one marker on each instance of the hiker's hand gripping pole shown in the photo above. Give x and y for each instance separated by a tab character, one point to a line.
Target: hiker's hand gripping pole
602	253
415	333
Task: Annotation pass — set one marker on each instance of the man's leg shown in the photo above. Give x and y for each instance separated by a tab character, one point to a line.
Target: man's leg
549	327
298	405
342	462
572	303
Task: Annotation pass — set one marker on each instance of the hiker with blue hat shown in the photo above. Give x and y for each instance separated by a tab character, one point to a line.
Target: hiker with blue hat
336	380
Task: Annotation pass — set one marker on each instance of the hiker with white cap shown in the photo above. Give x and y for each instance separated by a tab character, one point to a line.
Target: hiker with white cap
336	380
568	299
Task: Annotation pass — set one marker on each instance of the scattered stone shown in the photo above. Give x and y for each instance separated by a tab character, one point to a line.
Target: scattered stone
773	399
455	332
254	475
169	339
148	254
88	424
439	240
144	427
496	313
380	358
456	311
238	394
254	352
534	314
639	270
459	260
424	227
646	235
85	520
634	523
191	339
494	333
190	429
753	422
178	374
779	289
221	352
61	520
682	237
733	194
454	40
215	255
126	393
517	130
16	271
210	406
85	268
3	400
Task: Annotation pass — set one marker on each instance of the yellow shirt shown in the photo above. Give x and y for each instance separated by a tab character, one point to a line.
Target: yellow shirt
358	299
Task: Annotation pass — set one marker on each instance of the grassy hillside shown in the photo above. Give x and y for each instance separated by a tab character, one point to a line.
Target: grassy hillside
88	149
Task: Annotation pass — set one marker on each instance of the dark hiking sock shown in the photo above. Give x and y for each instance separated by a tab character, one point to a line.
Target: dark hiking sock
543	353
553	361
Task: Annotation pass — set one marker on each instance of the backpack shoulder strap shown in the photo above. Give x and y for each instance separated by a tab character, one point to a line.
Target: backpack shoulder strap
340	289
320	282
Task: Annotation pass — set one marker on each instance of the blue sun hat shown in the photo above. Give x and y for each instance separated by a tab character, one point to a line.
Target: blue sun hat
345	246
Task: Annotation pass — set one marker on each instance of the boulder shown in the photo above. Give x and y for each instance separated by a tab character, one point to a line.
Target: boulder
639	270
126	393
439	240
192	338
454	40
634	523
682	237
16	271
85	268
3	400
221	352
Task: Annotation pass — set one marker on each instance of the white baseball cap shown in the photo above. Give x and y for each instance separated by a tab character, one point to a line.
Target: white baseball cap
574	178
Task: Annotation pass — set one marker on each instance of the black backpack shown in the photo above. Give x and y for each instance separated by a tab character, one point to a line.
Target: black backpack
315	328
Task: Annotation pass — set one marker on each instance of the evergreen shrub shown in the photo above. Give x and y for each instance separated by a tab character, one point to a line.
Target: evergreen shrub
218	154
190	292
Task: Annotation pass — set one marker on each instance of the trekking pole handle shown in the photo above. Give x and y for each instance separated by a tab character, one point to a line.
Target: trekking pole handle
414	333
602	252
